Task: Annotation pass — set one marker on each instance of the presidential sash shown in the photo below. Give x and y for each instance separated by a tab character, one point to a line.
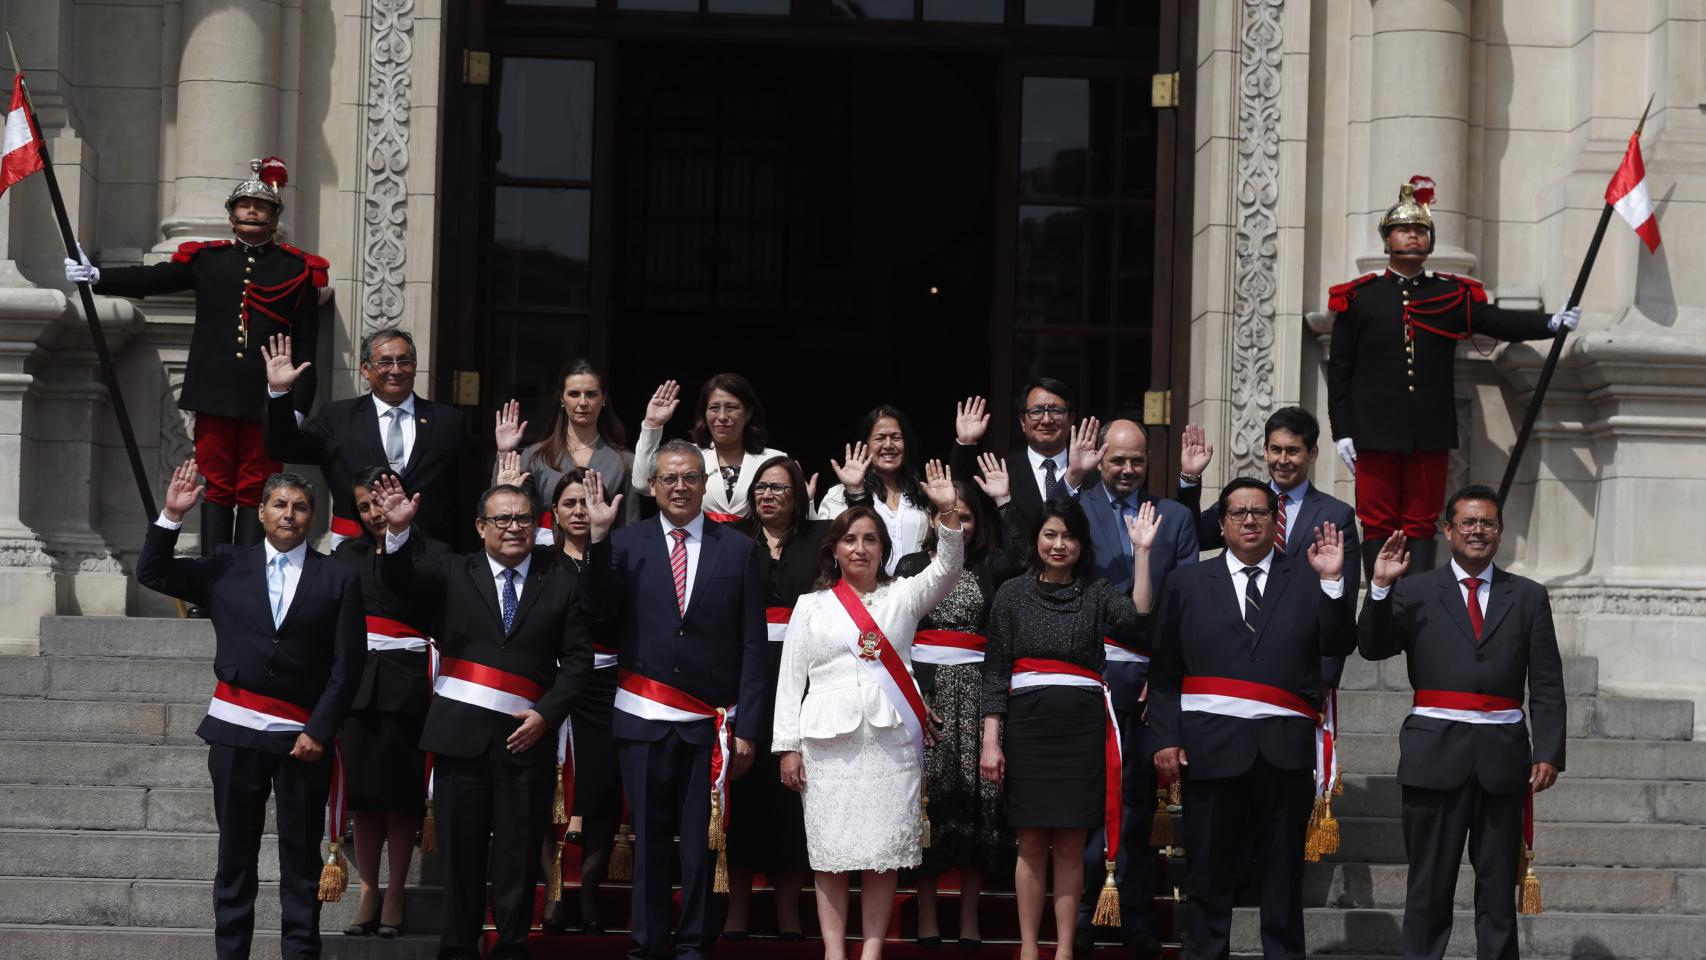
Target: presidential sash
948	647
883	663
776	622
488	687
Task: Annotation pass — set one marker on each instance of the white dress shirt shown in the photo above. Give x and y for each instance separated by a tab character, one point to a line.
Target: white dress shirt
695	539
1332	588
1293	504
293	560
1040	476
498	575
408	413
1482	592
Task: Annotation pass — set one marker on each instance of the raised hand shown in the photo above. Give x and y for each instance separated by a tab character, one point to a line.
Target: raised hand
970	420
1195	451
1327	553
600	516
1083	455
508	427
398	507
1392	562
182	492
509	469
662	405
994	482
856	459
811	488
939	487
281	374
1143	527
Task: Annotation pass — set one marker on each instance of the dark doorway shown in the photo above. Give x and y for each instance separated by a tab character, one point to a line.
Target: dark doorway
818	219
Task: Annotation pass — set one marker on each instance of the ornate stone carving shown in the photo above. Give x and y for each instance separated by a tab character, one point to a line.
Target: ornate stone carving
1629	601
1255	282
1458	470
385	199
24	552
177	427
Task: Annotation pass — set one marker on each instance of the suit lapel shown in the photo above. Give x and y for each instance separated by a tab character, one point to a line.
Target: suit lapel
256	564
304	583
1451	597
1280	575
1500	599
1025	491
537	569
423	429
480	572
709	542
1301	534
367	413
1226	594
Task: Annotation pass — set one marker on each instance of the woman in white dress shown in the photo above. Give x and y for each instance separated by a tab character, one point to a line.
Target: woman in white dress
881	472
730	431
844	745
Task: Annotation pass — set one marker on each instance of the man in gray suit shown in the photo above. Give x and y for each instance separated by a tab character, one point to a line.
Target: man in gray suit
1474	636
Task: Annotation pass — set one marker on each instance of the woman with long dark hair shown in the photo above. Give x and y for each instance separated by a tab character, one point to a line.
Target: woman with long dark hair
1042	672
729	429
584	434
880	470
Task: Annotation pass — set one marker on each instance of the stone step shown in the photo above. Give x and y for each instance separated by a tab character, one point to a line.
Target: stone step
157	809
1590	759
1563	889
109	678
1676	846
175	903
157	637
1581	675
97	764
119	854
101	720
1572	800
1578	936
1383	711
144	943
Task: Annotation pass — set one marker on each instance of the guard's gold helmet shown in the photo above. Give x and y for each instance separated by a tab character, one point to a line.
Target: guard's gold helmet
266	182
1414	199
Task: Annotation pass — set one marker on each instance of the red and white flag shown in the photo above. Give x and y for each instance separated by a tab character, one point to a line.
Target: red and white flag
22	146
1627	193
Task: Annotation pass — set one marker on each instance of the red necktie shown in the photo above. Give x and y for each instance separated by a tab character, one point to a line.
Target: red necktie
1474	600
1279	523
678	567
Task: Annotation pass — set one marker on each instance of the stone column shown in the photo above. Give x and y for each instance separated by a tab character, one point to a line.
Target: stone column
1419	121
27	591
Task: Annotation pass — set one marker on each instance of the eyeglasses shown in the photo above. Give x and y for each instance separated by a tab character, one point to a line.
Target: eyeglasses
677	479
1249	513
1046	413
1476	523
504	521
776	488
387	363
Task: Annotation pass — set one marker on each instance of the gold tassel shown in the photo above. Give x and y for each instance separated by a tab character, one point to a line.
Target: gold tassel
1530	905
429	831
1107	902
1175	794
924	814
715	839
622	856
334	878
1339	785
1329	828
1161	829
554	881
576	826
559	807
720	882
1312	839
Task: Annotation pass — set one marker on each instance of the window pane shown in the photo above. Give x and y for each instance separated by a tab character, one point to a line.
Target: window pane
1139	144
545	118
524	353
1049	283
540	239
874	9
767	7
1137	272
1081	13
965	11
1061	356
552	3
1054	136
681	6
1131	379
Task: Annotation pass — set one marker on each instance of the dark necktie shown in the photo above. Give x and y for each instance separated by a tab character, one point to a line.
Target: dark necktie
1279	523
509	599
1474	601
1050	480
1252	596
1122	510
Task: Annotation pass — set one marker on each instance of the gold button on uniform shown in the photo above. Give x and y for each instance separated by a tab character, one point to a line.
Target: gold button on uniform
1412	386
240	356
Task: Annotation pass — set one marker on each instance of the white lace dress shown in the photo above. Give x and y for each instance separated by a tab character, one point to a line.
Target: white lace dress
862	777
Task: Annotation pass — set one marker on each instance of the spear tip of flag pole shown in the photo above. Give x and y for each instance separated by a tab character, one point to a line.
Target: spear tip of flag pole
1638	127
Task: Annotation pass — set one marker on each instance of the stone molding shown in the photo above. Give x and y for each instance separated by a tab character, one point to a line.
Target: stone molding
1255	274
385	195
1629	601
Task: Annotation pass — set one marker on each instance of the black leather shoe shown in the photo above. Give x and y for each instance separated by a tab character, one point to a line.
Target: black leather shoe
388	931
362	929
551	918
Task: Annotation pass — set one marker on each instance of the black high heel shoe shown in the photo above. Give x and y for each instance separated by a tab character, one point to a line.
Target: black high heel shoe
366	929
389	931
551	918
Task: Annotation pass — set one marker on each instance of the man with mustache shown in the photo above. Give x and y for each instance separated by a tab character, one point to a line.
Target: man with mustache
246	290
1474	637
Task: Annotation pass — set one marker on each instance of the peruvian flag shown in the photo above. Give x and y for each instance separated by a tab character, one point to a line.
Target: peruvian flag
22	146
1627	193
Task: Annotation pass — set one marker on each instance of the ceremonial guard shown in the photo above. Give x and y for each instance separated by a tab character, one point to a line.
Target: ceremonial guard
246	290
1391	372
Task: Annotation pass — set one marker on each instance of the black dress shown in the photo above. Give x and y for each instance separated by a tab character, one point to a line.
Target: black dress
767	829
1054	736
381	737
598	786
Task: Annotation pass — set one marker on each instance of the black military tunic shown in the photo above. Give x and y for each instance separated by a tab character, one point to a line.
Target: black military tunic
1394	348
243	295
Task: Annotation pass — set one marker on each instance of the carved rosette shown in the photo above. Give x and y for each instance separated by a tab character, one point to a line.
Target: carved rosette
385	199
1255	283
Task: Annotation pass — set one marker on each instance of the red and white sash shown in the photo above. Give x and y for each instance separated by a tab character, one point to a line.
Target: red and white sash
872	649
776	622
337	799
256	711
383	633
343	529
1032	672
481	686
723	517
603	658
651	699
948	648
1243	698
1119	652
566	761
1466	707
545	529
1326	744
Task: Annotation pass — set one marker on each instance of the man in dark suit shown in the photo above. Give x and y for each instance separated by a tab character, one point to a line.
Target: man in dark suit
1120	495
390	426
691	656
290	644
515	652
1474	637
1057	459
1289	446
1234	695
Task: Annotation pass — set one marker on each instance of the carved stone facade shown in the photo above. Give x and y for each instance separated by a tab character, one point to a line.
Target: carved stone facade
385	199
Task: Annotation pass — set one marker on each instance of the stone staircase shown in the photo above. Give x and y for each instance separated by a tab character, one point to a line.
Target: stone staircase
107	840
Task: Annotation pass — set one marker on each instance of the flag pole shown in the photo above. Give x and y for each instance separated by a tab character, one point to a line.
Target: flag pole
109	375
1551	364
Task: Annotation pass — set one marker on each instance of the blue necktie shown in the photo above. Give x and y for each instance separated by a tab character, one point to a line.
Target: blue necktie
1124	510
509	599
275	587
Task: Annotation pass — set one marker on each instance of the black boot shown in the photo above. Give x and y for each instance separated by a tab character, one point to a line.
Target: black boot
1422	553
215	527
248	531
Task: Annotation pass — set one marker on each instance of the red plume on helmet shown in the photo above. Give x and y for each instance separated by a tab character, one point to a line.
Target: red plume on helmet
274	174
1424	189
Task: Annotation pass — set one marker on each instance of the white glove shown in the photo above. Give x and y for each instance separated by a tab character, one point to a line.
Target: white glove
1348	453
81	270
1568	318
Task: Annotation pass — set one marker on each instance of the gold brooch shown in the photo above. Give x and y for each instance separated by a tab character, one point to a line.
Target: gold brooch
868	644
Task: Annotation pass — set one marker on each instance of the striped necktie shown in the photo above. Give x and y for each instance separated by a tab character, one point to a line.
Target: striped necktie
1279	523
